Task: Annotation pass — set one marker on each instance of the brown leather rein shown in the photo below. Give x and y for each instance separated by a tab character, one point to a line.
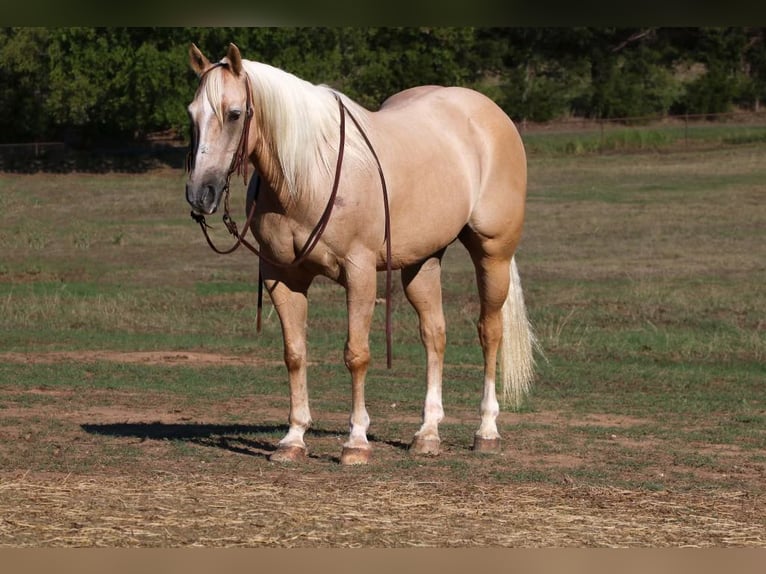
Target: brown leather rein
239	164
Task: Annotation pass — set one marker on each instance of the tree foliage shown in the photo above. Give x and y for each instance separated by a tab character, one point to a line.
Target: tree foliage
92	84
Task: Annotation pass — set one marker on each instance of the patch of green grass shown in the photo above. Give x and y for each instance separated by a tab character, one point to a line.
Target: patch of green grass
225	287
595	141
749	137
725	431
523	475
611	138
638	387
696	460
192	383
642	273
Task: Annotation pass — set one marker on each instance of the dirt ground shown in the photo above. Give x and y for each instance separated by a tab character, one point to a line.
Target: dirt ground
163	492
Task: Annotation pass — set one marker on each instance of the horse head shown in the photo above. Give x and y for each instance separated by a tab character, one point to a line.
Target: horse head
220	121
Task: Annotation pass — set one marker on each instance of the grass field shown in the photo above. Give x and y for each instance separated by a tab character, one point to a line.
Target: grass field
138	407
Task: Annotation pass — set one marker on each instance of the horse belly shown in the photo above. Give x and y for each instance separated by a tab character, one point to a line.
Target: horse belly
431	201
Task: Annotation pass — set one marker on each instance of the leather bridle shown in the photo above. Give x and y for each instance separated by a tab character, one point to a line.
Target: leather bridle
239	165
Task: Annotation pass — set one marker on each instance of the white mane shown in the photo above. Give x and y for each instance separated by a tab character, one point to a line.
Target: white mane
300	123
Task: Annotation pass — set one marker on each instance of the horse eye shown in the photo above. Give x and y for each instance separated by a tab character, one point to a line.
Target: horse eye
234	115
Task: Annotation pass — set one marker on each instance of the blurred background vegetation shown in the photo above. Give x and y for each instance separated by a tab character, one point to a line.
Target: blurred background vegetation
88	86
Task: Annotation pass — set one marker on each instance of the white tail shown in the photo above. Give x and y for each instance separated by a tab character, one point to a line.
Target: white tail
517	363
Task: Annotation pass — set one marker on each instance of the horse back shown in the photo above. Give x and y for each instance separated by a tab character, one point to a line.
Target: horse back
453	119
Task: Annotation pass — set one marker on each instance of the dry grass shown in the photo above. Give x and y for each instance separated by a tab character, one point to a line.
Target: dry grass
286	509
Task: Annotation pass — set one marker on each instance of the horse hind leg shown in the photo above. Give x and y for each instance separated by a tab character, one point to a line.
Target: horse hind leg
493	280
422	286
502	319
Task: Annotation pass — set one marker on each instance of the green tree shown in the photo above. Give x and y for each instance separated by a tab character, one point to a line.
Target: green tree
116	82
527	73
375	63
631	72
124	83
24	84
726	80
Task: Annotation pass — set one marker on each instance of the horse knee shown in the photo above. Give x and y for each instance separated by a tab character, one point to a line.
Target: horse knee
434	334
295	358
356	358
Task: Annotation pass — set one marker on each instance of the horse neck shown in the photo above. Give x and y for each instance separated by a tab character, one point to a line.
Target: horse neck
298	200
294	134
267	166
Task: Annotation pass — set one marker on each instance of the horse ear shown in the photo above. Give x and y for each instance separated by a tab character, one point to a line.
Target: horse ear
197	60
235	59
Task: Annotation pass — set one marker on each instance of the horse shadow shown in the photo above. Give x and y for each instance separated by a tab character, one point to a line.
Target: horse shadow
236	438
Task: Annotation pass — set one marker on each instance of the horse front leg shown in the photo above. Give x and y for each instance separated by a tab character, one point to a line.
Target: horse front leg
291	303
360	301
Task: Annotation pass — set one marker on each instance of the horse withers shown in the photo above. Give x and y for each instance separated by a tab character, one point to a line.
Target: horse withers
345	199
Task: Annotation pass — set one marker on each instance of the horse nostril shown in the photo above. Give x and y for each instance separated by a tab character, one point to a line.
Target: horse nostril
209	198
202	198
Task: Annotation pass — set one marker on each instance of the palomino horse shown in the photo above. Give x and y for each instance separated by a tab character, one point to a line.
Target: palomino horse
344	200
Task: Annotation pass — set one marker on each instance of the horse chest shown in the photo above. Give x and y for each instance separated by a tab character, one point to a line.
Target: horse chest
283	239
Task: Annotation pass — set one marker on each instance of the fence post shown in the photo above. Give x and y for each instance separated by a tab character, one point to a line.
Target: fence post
686	129
601	142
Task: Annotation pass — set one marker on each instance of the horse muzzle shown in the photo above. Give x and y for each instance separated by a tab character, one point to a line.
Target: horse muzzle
204	199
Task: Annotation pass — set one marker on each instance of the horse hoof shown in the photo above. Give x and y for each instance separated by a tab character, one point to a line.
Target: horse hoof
288	454
354	455
487	445
423	445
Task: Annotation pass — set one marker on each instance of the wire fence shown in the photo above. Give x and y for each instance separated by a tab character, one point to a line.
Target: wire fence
30	157
757	117
578	135
570	135
37	149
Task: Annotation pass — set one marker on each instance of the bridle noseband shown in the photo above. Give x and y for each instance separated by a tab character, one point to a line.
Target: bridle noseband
239	164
